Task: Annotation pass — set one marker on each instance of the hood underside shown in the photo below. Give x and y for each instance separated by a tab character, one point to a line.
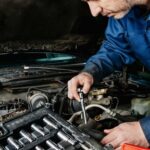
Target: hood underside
46	25
35	19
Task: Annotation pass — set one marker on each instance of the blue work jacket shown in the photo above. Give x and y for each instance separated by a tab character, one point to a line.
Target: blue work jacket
127	40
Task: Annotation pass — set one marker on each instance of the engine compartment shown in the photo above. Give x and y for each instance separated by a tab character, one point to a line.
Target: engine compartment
35	112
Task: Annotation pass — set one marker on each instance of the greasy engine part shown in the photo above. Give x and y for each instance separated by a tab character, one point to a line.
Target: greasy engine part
97	102
140	106
53	97
38	76
11	109
47	130
72	106
104	111
36	99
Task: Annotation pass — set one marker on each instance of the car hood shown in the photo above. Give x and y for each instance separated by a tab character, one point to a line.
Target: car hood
46	25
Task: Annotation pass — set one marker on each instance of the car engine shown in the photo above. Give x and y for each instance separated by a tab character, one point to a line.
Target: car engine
35	112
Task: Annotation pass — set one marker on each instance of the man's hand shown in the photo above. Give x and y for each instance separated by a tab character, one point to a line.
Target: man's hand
83	79
130	133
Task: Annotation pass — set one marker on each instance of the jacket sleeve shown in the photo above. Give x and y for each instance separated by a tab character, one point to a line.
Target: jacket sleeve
114	53
145	124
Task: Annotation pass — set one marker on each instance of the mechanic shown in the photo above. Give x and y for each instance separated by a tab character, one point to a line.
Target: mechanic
127	39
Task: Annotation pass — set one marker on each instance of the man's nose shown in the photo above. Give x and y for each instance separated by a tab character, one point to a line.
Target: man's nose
94	8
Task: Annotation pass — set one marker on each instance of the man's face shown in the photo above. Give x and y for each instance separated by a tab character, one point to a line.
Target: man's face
110	8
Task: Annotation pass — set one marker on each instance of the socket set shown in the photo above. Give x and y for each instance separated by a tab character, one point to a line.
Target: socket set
43	129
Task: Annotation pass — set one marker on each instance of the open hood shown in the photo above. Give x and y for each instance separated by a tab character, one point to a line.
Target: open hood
36	19
34	24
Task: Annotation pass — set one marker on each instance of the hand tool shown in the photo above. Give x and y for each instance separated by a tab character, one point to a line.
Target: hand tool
13	143
82	105
27	136
50	123
52	145
38	129
39	148
64	136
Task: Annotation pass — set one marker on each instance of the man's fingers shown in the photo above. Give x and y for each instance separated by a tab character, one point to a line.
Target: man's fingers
111	140
83	79
108	139
87	82
86	87
119	148
72	89
107	131
115	143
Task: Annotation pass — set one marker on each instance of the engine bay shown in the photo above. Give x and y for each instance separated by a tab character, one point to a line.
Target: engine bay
35	112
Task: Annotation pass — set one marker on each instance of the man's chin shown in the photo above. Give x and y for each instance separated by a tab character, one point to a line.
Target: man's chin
120	15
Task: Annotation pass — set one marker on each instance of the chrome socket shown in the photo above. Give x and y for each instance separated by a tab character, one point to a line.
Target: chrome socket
52	145
38	129
26	135
39	148
50	123
13	143
64	136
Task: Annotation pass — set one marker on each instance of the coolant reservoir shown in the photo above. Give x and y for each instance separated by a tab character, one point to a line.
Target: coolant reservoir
141	106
